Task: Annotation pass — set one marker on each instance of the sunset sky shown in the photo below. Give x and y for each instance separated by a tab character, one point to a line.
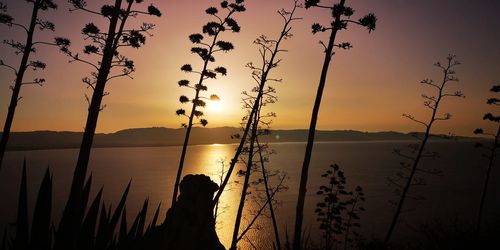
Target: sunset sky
368	87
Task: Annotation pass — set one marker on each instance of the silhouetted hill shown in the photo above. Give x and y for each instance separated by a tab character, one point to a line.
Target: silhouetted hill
159	136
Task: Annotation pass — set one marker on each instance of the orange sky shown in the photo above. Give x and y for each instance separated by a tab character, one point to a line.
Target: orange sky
368	87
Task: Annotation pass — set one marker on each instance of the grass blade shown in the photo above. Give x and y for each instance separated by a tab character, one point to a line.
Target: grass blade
40	228
22	227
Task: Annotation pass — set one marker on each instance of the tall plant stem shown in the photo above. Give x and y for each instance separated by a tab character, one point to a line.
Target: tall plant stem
72	214
19	82
239	214
191	118
262	84
269	197
299	214
261	210
487	178
417	159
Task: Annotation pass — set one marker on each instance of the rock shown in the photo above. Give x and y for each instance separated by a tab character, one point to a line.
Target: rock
190	224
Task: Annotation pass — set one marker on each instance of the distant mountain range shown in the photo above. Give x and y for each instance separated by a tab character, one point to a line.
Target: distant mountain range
159	136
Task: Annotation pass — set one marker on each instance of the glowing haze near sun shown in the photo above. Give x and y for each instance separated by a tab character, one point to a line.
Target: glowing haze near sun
368	87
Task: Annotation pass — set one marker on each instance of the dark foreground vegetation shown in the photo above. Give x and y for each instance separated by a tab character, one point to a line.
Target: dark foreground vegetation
89	222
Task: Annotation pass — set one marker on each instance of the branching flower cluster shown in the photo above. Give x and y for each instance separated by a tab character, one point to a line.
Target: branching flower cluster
411	172
342	18
28	47
24	50
101	41
206	52
251	152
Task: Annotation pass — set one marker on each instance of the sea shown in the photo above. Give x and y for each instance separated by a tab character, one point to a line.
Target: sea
448	198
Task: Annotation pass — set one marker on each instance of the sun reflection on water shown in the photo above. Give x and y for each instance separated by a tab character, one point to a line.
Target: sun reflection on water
210	163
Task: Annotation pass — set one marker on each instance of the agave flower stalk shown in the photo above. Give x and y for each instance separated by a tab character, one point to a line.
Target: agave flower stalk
490	155
341	18
206	52
432	103
104	57
25	49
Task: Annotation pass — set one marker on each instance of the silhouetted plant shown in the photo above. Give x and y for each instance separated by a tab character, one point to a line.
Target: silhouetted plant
97	230
341	15
491	150
104	46
337	213
40	236
418	151
221	175
270	202
25	50
261	152
206	51
268	50
354	207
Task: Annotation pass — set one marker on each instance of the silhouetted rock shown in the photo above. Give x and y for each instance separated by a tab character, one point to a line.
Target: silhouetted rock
190	224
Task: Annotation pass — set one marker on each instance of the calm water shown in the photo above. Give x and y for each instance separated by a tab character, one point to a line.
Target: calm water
455	194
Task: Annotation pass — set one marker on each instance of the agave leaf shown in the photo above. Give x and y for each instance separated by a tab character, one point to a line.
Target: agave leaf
123	227
86	236
22	227
85	199
105	233
142	220
133	229
119	208
72	218
101	230
40	228
155	218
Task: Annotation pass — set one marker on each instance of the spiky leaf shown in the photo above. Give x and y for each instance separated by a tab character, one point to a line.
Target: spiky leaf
40	227
87	231
142	220
22	227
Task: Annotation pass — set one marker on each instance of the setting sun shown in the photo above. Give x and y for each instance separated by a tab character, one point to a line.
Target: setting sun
215	105
249	124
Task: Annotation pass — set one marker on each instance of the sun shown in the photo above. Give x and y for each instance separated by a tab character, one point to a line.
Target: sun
216	106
